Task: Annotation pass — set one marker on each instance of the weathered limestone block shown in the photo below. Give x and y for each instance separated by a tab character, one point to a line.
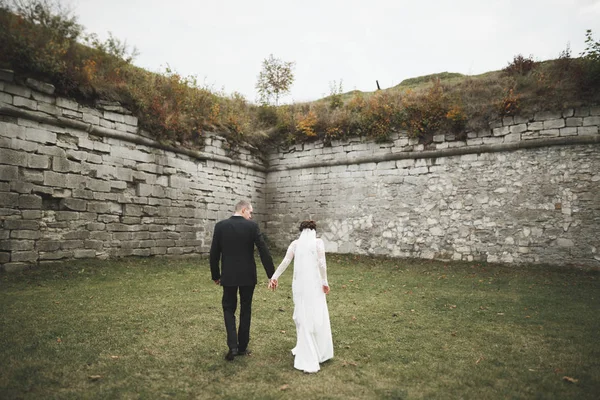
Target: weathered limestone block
19	224
73	204
51	151
30	201
6	98
131	154
492	140
49	109
23	234
102	236
142	252
112	116
150	167
91	119
121	127
47	245
71	244
591	121
18	144
178	182
141	176
81	156
132	210
97	185
124	174
587	130
8	173
512	137
106	172
16	245
43	99
94	159
571	131
17	90
144	190
119	185
85	143
21	187
84	253
535	126
76	235
68	104
107	124
56	255
61	164
105	208
518	128
550	133
40	136
66	215
24	256
37	161
40	86
74	181
119	227
32	214
13	157
96	245
554	123
22	102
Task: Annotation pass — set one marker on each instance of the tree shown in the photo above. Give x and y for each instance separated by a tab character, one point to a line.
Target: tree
275	80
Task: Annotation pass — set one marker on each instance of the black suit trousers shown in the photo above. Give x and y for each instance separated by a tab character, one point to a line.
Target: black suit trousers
237	340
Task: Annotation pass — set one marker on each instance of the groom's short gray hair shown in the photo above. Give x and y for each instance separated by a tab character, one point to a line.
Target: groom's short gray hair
241	205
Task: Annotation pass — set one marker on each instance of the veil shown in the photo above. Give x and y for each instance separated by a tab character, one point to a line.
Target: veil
307	285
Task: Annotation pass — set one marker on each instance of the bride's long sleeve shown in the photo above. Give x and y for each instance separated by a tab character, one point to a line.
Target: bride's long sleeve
289	256
321	261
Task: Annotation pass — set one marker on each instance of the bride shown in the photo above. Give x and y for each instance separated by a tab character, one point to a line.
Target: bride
314	344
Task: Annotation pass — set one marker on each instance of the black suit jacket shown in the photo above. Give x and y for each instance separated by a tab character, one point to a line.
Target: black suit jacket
233	246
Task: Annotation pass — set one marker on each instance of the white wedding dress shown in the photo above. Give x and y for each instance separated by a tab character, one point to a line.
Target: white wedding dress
314	344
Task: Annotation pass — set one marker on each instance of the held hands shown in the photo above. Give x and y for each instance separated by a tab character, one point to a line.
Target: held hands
273	284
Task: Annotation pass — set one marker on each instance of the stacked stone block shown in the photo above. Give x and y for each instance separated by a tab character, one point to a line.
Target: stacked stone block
527	190
80	182
66	193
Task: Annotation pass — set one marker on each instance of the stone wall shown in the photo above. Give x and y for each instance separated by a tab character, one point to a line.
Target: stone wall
86	182
82	182
526	190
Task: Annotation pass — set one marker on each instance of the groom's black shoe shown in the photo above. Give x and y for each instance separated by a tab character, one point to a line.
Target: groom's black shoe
245	352
231	354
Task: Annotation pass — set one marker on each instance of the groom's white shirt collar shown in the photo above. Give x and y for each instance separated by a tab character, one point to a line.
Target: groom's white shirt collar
237	215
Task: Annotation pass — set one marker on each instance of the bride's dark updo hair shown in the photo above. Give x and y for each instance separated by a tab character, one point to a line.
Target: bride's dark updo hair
308	225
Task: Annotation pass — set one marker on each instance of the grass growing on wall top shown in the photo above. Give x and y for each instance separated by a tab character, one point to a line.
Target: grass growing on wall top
151	328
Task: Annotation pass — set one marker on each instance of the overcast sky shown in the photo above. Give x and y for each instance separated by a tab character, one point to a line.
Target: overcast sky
223	42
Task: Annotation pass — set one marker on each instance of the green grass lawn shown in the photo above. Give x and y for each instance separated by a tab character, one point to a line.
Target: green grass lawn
153	328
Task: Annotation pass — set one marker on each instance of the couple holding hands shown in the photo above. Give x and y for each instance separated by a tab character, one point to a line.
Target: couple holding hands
233	267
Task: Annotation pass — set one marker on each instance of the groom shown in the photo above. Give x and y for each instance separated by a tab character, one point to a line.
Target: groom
233	245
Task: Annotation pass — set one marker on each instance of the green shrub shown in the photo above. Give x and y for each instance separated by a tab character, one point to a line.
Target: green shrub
520	65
